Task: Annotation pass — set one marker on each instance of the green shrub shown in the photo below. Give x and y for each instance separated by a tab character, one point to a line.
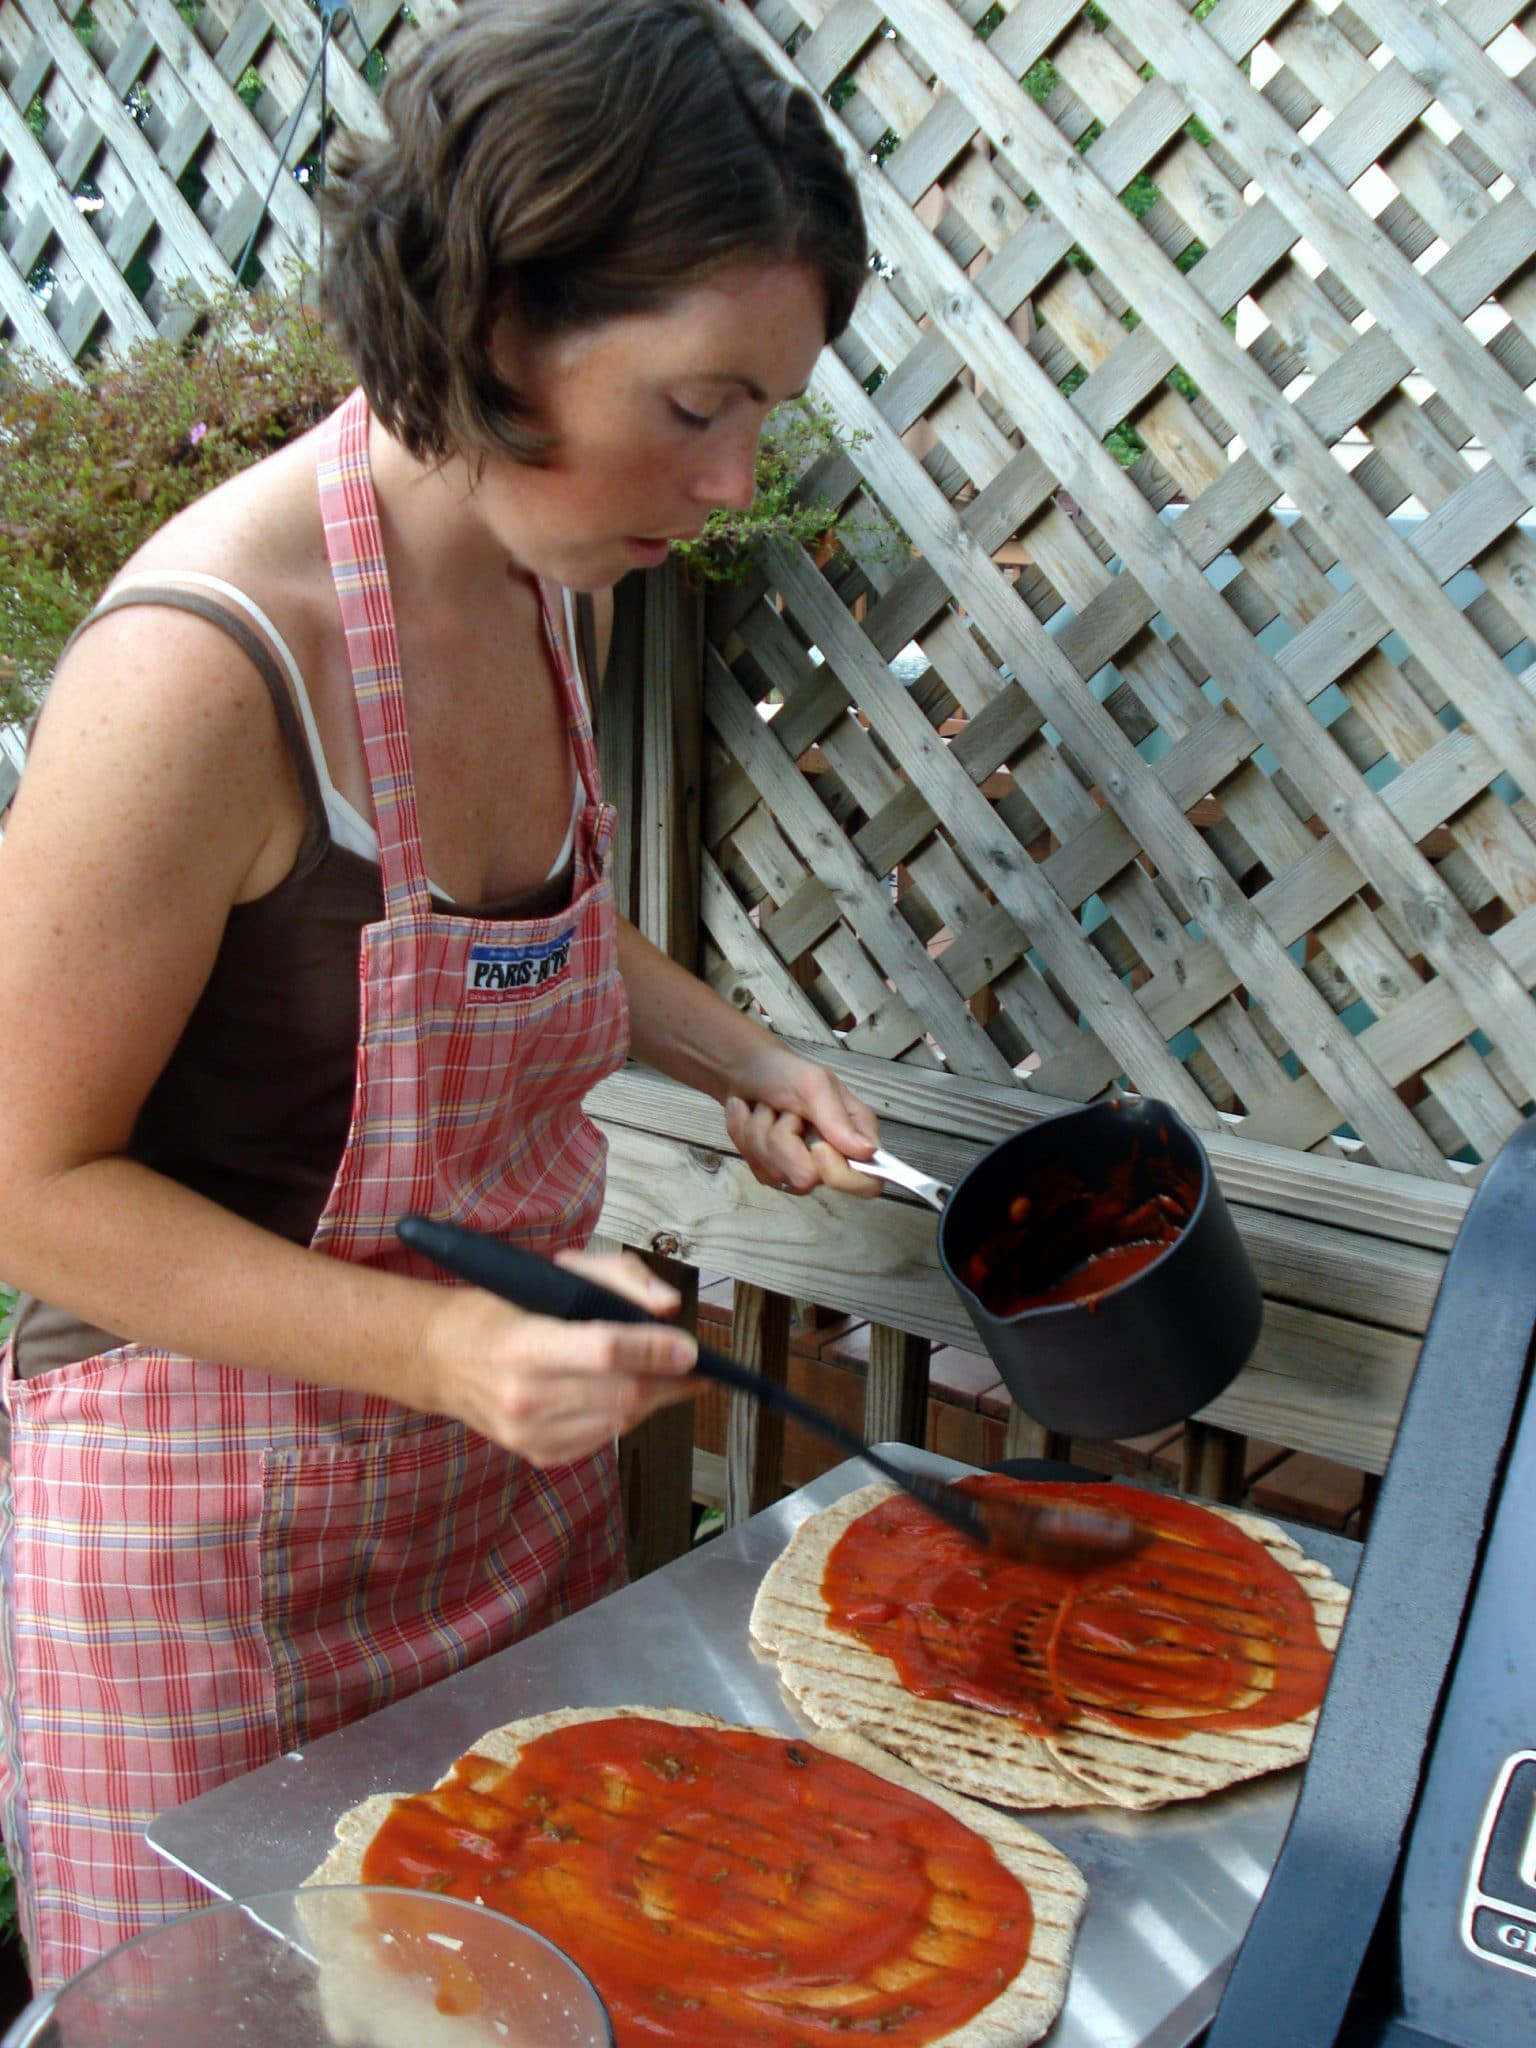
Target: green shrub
86	475
798	435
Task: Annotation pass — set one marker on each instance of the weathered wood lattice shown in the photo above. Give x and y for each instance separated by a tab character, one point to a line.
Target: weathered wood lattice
1207	771
139	139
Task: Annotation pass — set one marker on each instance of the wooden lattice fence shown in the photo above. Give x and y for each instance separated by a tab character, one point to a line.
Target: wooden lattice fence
1195	371
139	140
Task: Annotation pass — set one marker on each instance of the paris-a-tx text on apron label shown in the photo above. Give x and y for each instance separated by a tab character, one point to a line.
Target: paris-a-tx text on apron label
500	974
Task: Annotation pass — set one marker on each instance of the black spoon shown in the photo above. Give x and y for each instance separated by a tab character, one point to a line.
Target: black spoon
1063	1534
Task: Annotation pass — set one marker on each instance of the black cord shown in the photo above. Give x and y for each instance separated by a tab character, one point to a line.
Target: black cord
327	16
325	33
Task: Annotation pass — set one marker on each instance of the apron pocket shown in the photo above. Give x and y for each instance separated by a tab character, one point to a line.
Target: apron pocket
387	1566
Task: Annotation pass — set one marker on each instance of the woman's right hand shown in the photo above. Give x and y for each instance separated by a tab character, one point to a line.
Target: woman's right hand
549	1390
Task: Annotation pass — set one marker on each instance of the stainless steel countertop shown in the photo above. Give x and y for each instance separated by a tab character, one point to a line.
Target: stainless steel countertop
1169	1893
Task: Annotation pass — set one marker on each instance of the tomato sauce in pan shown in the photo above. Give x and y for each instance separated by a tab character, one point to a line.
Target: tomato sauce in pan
1064	1242
1200	1629
1095	1276
723	1887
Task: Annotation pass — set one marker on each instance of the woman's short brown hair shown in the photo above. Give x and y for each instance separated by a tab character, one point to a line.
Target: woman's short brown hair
567	162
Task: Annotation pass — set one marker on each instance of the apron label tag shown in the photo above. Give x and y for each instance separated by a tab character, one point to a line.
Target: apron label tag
500	974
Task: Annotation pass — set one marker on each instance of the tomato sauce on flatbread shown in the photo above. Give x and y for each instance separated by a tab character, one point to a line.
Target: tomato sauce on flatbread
1200	1629
719	1885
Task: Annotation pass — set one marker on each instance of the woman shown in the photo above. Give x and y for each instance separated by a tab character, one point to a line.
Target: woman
306	924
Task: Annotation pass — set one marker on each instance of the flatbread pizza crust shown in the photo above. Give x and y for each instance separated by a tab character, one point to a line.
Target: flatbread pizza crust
1021	2013
842	1684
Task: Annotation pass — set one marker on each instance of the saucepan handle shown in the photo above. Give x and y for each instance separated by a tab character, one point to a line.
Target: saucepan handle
883	1165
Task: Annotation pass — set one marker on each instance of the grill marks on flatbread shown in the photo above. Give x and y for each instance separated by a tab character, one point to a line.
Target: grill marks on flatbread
1020	2013
843	1684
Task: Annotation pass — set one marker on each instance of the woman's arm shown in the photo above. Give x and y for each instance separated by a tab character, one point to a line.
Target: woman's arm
778	1104
158	793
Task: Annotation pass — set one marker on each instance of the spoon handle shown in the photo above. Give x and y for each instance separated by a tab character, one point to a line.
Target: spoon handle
539	1285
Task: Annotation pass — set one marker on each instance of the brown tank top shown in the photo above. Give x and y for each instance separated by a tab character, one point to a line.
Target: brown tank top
253	1106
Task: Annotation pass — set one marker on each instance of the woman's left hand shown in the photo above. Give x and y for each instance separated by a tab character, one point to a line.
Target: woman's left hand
797	1125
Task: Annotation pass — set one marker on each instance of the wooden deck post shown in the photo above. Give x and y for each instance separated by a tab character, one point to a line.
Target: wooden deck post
650	739
1212	1462
896	1392
1026	1438
656	1460
754	1435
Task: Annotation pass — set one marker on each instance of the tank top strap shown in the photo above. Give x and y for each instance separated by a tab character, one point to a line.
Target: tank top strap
355	544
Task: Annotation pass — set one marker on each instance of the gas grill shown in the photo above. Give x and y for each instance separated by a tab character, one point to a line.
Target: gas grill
1401	1912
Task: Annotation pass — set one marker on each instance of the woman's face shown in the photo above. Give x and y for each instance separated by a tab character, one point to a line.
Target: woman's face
656	419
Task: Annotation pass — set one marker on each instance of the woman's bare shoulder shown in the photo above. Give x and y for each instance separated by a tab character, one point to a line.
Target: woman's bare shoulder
158	727
259	531
160	697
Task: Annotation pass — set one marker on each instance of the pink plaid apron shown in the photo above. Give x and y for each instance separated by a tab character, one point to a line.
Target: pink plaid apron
206	1567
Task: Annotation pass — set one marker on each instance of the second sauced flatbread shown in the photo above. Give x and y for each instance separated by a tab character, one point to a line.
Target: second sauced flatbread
841	1683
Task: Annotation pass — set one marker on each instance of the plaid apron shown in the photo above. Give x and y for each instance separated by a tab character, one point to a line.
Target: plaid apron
207	1567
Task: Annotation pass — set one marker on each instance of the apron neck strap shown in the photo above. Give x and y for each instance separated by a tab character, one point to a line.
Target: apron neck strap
355	543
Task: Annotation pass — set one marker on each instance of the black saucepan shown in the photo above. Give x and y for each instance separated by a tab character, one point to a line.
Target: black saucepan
1101	1268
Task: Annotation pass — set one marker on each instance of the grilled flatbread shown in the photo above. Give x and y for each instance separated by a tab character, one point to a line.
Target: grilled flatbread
842	1683
699	1824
